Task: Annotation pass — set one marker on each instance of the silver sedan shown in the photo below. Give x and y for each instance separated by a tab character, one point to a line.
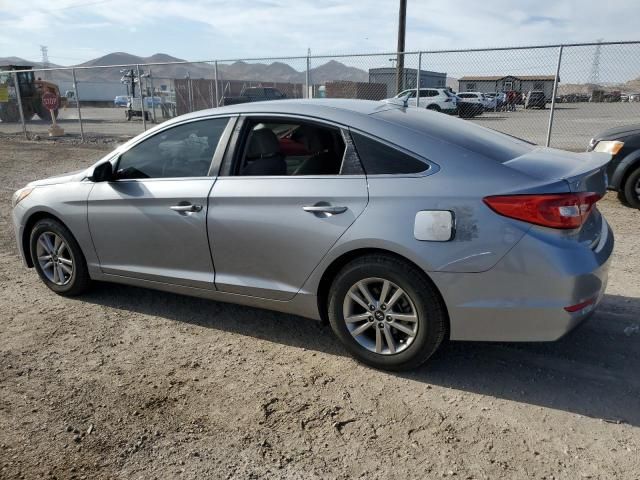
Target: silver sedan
400	226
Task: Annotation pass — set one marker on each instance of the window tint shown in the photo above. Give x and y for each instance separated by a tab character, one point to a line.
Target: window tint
428	93
276	148
378	158
182	151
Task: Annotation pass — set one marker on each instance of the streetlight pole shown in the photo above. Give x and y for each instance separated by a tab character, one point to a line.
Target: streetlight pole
402	22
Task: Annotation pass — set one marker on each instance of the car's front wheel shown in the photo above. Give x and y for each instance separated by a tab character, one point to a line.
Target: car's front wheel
57	258
386	312
631	189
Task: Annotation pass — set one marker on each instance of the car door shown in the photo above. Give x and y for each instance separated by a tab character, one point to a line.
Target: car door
150	222
268	231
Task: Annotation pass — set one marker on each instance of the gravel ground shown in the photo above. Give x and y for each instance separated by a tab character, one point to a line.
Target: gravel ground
129	383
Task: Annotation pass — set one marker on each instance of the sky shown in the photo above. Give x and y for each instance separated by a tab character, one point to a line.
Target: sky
78	30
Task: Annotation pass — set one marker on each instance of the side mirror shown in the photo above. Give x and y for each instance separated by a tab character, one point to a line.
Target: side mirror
103	173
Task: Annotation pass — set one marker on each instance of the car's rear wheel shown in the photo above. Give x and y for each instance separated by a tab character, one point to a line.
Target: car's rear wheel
57	258
435	108
386	312
631	189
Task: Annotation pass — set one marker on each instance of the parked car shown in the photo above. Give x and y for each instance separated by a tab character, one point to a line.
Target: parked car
150	102
255	94
498	99
488	102
400	226
536	99
121	101
438	99
623	171
470	104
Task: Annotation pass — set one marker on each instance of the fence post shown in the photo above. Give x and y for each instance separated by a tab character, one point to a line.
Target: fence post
553	97
75	92
153	99
16	85
144	116
307	79
418	80
215	76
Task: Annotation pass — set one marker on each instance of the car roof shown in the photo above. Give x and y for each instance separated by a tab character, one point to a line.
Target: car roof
332	109
433	135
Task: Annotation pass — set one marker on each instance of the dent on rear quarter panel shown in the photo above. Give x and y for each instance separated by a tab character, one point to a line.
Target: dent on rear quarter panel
481	237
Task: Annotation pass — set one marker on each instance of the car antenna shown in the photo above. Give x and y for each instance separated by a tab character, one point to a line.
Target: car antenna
402	101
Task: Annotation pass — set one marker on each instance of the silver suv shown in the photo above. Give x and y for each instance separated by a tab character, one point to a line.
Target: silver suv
437	99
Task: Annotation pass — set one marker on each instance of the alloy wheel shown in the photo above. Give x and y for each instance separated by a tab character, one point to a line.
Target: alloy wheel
380	316
54	258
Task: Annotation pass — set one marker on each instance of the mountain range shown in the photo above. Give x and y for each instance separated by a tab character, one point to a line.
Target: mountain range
269	72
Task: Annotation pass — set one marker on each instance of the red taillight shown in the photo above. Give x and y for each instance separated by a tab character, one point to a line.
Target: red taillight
555	210
580	306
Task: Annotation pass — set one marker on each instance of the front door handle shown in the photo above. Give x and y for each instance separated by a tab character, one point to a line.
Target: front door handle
186	208
324	209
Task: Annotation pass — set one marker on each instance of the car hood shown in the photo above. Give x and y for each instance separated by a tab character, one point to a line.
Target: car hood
618	132
64	178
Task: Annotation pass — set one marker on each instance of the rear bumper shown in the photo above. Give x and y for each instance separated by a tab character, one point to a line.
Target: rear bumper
523	298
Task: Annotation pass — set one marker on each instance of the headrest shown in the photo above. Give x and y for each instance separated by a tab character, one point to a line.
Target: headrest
263	143
314	139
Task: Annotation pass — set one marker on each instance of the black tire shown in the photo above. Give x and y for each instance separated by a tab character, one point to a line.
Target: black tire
431	314
631	197
622	199
127	115
435	108
79	279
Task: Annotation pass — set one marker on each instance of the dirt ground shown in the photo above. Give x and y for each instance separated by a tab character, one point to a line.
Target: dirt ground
130	383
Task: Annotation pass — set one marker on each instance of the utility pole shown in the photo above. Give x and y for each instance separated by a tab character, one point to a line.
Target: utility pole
402	23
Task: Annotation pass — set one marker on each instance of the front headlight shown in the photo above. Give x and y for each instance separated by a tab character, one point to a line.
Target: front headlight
20	195
609	146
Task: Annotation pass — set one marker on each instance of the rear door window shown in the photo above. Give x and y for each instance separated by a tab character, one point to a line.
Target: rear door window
290	147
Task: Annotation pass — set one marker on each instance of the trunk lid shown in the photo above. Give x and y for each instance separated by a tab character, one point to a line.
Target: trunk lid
583	172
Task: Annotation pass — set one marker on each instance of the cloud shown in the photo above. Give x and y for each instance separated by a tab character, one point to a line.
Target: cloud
206	29
533	19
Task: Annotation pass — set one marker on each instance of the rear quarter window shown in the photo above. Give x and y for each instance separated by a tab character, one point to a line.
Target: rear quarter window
379	159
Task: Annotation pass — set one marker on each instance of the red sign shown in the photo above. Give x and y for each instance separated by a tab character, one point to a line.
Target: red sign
50	101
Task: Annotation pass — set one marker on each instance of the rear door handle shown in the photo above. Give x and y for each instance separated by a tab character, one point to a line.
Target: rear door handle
324	209
186	208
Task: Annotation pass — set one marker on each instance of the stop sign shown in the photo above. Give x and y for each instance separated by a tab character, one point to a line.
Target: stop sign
50	101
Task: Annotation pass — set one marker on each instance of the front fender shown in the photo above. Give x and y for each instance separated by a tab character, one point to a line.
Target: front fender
68	203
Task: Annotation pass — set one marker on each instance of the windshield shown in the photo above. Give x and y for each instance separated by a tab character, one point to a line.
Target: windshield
490	143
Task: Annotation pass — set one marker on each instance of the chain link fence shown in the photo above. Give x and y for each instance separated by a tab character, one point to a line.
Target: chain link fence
558	95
